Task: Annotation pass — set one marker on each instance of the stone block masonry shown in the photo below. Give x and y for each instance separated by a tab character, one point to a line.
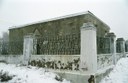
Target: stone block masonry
55	34
77	46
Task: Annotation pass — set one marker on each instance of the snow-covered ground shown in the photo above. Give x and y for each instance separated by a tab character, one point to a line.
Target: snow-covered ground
119	74
24	74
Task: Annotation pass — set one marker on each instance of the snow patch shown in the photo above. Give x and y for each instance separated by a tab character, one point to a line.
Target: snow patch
119	74
24	74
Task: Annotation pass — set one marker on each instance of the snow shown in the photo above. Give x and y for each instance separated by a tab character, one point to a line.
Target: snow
29	74
119	74
24	74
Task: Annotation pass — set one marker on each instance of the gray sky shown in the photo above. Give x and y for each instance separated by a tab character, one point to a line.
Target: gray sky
20	12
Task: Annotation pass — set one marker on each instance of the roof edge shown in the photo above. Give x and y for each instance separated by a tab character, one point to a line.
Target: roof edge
60	17
51	19
108	27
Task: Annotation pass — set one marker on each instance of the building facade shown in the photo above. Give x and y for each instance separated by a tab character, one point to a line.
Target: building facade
79	45
58	36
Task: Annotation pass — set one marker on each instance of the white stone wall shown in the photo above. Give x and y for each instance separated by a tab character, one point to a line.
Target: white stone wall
12	59
119	55
126	54
64	62
62	58
104	60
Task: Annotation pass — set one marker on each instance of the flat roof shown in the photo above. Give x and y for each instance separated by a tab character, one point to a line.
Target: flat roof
58	18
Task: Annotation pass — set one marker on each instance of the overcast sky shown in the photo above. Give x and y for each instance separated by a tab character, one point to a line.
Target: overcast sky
20	12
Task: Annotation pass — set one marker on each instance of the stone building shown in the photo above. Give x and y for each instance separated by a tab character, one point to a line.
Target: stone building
126	46
78	42
1	42
58	36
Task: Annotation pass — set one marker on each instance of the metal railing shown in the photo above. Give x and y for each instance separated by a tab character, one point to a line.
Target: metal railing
103	45
59	45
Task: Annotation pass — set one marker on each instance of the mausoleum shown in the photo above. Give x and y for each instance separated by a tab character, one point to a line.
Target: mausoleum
57	36
76	46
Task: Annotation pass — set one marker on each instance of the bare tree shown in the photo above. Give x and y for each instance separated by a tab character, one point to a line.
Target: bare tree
4	43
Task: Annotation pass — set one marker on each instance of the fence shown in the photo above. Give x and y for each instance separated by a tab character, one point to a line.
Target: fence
59	45
103	45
